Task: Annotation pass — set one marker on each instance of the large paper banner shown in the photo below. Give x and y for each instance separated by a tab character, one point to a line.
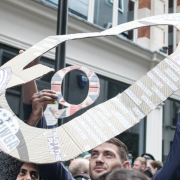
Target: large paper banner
96	125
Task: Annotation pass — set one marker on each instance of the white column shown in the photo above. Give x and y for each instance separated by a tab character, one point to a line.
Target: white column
115	13
91	11
154	133
136	6
166	27
174	29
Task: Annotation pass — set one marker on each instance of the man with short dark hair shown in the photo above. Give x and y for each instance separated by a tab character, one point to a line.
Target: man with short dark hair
107	157
79	168
28	171
155	166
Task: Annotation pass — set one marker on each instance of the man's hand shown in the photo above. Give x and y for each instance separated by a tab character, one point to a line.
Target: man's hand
39	105
31	95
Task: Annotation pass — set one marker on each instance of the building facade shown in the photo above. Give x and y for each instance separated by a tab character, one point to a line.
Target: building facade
118	60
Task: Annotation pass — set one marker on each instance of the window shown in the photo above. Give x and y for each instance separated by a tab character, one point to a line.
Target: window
103	14
170	29
172	35
126	16
53	2
120	5
77	7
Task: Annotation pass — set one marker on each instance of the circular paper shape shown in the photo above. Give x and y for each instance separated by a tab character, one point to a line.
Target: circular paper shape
93	93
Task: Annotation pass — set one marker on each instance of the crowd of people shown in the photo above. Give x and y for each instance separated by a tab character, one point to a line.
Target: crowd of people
108	161
142	168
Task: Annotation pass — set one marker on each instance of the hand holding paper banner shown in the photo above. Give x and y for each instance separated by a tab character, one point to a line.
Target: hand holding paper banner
101	122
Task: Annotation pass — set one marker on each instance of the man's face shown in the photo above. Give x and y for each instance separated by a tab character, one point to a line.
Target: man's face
138	166
104	159
28	172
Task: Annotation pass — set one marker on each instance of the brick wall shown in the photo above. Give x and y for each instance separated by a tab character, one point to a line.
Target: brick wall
144	4
178	2
144	32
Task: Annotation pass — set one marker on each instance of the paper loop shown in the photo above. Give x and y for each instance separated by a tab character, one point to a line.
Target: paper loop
101	122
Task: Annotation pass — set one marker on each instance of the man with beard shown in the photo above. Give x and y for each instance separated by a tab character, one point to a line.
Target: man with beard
107	157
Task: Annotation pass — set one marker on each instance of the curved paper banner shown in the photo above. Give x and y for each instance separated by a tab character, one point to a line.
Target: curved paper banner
93	93
98	124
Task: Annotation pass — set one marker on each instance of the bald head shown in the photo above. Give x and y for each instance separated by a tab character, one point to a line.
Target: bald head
79	166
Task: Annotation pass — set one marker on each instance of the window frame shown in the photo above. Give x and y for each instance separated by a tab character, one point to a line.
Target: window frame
90	16
122	1
166	43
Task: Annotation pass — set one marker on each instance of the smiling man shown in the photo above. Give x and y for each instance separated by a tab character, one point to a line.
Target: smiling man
107	157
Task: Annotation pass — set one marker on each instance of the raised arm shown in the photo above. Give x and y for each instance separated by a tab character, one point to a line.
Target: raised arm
171	168
55	171
34	105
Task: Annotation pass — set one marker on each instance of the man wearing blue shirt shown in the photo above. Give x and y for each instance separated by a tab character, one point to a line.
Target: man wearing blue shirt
171	168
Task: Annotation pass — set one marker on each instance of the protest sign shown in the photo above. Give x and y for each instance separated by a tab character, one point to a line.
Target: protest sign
96	125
